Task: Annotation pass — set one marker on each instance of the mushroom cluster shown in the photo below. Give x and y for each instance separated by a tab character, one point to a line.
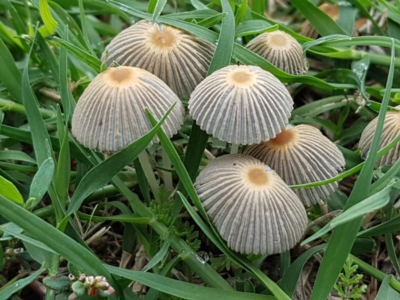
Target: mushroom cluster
246	195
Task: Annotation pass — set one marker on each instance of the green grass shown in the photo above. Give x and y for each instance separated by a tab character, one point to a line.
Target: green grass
55	193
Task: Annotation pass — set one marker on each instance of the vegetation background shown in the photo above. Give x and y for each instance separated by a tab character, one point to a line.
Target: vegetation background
76	211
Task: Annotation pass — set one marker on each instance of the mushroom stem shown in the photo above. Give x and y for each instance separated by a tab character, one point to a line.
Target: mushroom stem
166	174
234	148
148	171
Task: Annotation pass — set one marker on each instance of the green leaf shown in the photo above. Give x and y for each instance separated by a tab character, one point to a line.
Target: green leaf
182	289
158	8
40	183
358	210
318	19
254	27
386	291
50	24
259	6
9	191
19	284
383	228
84	56
158	257
47	234
12	78
58	283
290	278
223	52
16	155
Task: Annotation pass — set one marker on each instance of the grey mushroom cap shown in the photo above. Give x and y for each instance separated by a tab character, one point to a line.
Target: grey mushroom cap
111	112
180	59
252	208
301	154
241	105
282	50
391	129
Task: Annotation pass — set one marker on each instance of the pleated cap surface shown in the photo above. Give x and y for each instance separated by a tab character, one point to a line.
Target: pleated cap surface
280	49
391	129
241	105
253	209
180	59
111	113
300	155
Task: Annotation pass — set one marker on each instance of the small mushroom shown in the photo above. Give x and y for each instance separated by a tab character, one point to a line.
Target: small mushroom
241	105
301	154
180	59
252	208
391	129
111	112
280	49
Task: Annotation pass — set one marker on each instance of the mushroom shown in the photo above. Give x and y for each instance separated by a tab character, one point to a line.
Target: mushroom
301	154
280	49
252	208
241	105
180	59
391	129
111	114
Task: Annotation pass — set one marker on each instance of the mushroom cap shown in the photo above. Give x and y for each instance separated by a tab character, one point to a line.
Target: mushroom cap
241	105
280	49
180	59
253	209
111	112
391	129
301	154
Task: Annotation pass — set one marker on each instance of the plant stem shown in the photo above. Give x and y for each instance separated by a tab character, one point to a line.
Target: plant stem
8	105
374	272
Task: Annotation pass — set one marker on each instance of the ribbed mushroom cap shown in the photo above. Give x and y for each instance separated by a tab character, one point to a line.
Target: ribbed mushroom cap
391	129
280	49
241	105
301	154
253	209
111	113
180	59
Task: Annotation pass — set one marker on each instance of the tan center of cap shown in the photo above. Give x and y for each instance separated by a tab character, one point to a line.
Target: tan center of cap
277	40
242	78
163	38
258	176
120	76
283	139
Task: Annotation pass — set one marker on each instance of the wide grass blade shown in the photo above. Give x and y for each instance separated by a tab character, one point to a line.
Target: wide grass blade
183	289
19	284
12	78
54	239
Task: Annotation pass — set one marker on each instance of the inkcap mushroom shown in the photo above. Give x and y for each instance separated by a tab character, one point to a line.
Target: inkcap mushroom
241	105
301	154
252	208
180	59
280	49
